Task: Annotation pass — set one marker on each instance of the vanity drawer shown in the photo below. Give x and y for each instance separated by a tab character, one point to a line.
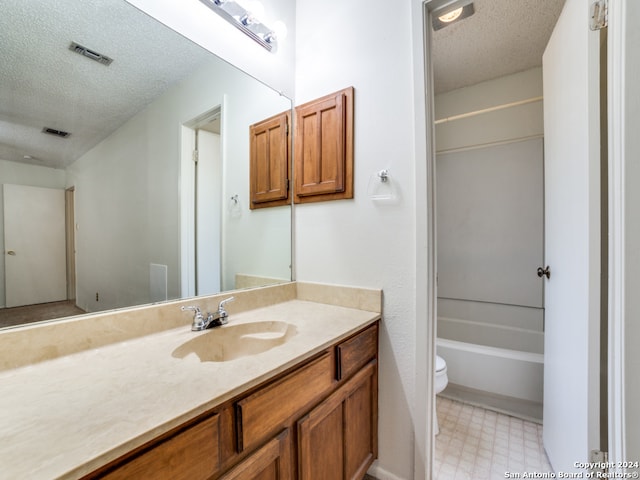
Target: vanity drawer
265	411
190	455
356	351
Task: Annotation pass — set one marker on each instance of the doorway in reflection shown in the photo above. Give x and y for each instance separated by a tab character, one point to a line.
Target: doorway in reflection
201	221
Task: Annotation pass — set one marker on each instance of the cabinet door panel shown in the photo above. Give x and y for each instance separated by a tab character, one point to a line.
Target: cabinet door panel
324	148
320	442
338	438
360	423
269	157
321	127
270	462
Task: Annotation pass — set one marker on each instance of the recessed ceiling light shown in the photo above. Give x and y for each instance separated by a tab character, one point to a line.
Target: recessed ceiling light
451	16
453	12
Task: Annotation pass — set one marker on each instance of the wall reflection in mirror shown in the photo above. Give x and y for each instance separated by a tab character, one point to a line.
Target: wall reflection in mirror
109	208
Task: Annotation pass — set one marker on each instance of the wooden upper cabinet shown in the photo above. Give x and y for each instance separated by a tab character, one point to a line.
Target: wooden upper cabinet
269	157
323	145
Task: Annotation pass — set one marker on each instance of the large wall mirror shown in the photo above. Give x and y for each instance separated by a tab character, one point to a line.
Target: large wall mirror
104	203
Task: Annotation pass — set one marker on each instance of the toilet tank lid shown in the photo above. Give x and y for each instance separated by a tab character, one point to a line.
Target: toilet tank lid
440	363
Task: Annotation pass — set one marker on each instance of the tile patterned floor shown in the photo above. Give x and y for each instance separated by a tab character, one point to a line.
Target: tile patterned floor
478	444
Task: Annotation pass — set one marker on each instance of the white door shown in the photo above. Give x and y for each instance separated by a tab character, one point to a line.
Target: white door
208	212
572	239
34	239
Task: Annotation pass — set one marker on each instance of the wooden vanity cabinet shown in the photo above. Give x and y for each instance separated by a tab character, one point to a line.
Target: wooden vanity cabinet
315	421
337	439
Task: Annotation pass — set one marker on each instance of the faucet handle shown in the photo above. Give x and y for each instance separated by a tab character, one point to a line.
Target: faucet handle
198	318
223	302
193	308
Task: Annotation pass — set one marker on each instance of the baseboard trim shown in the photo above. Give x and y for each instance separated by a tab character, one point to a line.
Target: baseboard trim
381	474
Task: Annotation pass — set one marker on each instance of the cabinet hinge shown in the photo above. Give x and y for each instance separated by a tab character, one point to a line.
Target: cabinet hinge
599	15
598	461
195	156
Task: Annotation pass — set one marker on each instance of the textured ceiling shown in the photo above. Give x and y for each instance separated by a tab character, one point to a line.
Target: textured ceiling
502	37
44	84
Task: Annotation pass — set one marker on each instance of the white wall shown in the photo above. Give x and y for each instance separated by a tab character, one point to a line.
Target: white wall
127	187
632	231
482	159
516	122
256	242
30	175
367	44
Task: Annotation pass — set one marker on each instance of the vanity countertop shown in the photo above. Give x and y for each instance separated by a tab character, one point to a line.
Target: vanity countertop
65	417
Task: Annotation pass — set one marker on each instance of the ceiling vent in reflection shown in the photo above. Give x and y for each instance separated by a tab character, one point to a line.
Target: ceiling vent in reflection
57	133
92	54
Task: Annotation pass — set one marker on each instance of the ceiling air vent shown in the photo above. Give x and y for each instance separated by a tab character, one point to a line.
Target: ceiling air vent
57	133
92	54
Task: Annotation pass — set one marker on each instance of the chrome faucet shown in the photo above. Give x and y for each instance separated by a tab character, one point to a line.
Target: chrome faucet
212	320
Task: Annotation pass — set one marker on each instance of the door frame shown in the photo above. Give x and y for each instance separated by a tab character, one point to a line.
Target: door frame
187	188
425	245
70	229
617	272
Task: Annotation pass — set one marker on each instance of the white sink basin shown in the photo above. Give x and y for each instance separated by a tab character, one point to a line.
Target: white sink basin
229	342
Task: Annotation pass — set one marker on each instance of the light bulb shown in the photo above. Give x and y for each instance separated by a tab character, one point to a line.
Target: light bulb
247	20
280	29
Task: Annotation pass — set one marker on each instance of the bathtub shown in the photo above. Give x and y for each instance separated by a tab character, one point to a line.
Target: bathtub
497	371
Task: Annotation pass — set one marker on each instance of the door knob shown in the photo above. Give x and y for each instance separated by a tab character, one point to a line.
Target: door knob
544	272
11	252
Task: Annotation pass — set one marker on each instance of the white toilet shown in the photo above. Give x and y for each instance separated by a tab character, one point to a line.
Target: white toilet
441	382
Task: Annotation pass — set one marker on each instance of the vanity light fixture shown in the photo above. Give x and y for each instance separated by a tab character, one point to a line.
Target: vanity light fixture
451	12
243	19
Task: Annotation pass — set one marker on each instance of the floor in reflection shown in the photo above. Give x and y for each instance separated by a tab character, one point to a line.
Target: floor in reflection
10	317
